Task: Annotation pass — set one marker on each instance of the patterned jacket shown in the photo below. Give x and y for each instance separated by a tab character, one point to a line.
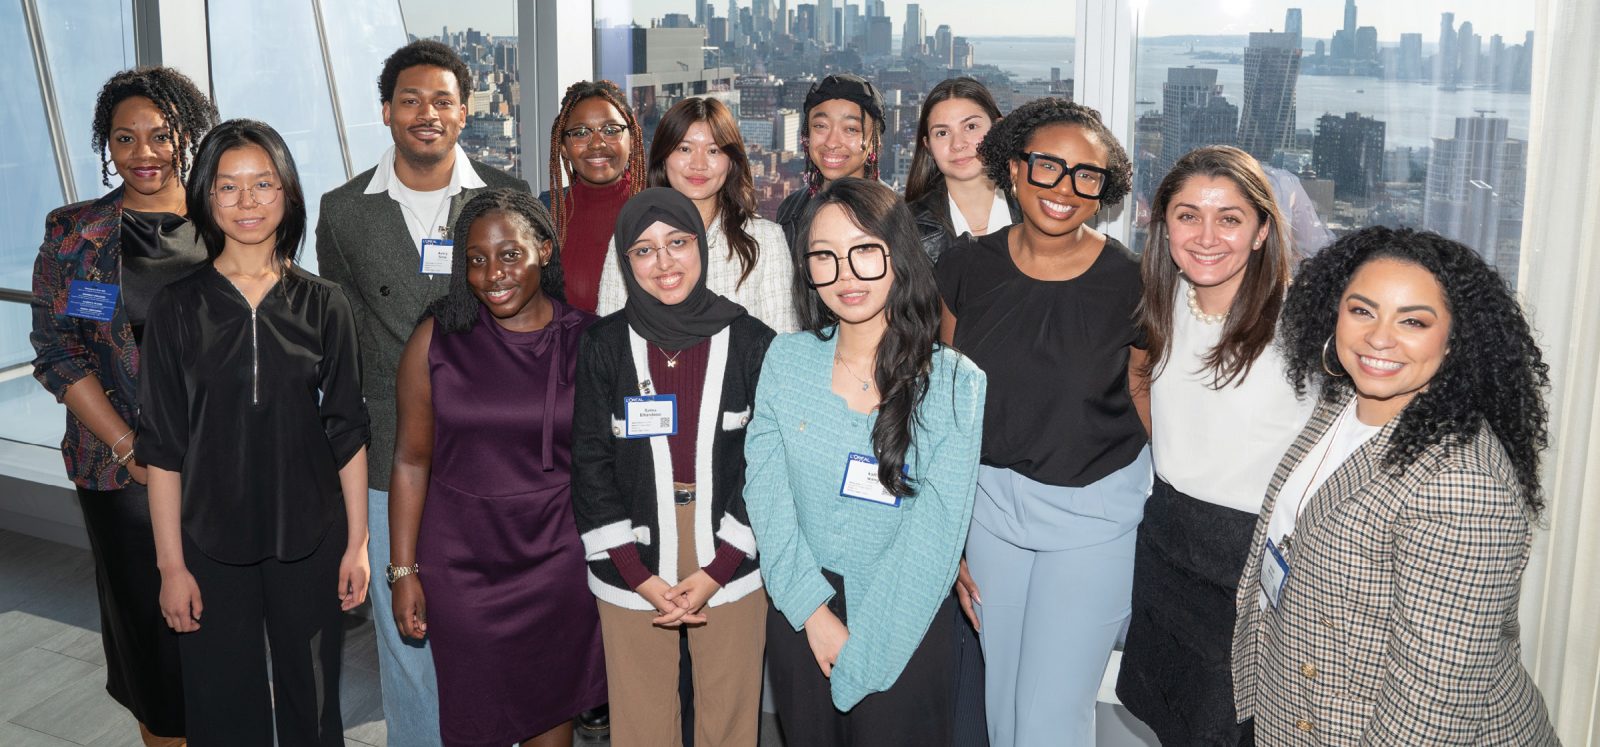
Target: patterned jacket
1398	622
82	241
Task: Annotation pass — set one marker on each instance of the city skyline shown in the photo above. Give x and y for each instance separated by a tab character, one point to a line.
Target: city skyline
1161	18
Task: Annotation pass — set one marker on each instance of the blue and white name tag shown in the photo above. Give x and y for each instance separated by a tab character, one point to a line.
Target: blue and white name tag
437	255
650	415
1274	573
87	299
861	481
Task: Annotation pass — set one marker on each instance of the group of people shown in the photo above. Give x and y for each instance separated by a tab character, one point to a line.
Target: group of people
924	459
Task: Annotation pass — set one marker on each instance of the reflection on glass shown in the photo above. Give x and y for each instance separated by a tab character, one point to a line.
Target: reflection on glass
760	57
1399	115
266	64
360	36
484	33
86	41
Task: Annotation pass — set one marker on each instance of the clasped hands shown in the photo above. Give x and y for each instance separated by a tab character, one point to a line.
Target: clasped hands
683	604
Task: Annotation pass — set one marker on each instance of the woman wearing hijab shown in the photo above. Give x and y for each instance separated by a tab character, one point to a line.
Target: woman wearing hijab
665	388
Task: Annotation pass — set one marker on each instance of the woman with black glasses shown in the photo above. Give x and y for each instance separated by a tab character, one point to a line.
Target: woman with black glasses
1046	309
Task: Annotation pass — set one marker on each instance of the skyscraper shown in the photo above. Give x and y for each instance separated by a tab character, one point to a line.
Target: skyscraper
1410	63
943	45
1292	24
1349	150
1474	191
1444	61
1193	113
915	29
1271	70
824	23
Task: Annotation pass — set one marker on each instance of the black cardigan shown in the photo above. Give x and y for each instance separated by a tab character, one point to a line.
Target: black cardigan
622	488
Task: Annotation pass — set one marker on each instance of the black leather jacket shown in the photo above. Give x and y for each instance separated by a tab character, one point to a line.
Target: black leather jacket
932	214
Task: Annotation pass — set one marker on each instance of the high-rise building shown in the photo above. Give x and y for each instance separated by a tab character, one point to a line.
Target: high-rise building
1194	113
1469	47
961	53
1292	24
758	96
1444	61
824	23
1349	150
1410	57
916	28
875	9
880	36
786	131
943	45
1271	70
1366	43
1474	189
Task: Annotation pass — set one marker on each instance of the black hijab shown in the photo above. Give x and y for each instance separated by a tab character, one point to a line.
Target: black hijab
702	313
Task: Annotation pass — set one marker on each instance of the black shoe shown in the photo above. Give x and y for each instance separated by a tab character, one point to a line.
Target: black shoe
597	719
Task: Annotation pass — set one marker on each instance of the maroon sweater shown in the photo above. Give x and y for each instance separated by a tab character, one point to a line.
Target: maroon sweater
591	219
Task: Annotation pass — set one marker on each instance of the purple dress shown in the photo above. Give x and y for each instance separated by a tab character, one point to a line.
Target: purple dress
514	629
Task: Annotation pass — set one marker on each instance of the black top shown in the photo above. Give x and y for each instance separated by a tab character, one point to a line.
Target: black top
1056	353
157	248
790	211
258	409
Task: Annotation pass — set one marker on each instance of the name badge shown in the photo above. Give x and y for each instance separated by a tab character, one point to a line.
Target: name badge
861	481
436	256
1274	573
651	415
87	299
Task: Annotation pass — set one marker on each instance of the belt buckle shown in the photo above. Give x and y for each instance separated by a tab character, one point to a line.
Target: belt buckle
682	497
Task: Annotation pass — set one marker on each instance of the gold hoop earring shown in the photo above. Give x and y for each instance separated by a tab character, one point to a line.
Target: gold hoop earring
1325	365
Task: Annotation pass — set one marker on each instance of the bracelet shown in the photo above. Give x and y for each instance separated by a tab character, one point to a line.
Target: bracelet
119	440
122	461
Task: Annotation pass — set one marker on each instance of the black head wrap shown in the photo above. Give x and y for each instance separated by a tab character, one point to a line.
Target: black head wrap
701	314
850	87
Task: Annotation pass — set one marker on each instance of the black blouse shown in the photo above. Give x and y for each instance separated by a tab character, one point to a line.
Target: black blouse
258	409
157	248
1056	353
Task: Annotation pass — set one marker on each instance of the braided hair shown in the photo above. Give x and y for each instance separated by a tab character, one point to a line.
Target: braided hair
189	113
457	310
559	167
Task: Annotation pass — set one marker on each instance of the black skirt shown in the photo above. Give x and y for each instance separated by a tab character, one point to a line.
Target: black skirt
1176	665
142	670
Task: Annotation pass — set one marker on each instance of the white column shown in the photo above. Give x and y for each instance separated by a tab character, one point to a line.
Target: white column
1106	38
561	53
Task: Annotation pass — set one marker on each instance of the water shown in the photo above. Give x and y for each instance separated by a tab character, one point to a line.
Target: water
1413	113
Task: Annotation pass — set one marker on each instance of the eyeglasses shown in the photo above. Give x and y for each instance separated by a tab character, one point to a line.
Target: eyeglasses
867	262
675	248
1046	171
584	133
262	192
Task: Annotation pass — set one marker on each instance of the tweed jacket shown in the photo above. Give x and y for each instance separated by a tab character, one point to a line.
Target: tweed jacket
1398	622
83	241
364	246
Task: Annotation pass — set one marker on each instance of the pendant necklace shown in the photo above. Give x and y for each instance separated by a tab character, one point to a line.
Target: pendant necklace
672	360
866	385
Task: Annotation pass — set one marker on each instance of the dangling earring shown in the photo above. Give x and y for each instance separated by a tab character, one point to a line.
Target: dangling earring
1325	366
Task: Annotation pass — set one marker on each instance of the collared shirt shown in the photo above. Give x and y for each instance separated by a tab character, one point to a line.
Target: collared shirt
424	211
999	216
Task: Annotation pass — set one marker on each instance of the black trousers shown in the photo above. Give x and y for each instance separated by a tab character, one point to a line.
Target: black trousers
142	669
294	607
917	711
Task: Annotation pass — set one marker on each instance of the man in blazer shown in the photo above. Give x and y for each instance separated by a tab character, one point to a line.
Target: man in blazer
385	237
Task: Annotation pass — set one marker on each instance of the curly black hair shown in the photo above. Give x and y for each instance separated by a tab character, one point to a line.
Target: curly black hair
457	310
422	52
189	113
1492	371
1009	137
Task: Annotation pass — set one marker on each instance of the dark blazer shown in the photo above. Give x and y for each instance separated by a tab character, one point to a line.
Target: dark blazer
932	214
1398	621
364	246
790	211
82	241
622	487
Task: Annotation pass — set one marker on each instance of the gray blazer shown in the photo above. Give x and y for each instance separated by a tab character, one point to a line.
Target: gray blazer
1398	622
364	246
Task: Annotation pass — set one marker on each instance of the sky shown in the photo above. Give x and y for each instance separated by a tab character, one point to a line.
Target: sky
1043	17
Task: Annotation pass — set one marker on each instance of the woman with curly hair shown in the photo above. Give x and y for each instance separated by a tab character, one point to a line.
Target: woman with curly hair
1046	308
597	151
490	567
100	264
1379	600
1215	270
699	152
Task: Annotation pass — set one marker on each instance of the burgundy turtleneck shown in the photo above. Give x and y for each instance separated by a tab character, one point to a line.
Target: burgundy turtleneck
591	217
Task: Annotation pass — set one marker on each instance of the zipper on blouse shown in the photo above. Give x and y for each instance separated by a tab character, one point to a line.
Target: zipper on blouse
255	361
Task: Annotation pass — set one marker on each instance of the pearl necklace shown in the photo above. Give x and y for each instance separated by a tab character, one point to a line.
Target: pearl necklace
1194	308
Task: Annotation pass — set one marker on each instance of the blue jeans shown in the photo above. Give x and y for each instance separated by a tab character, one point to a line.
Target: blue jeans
405	666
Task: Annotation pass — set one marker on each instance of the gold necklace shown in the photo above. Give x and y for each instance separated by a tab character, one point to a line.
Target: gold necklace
866	385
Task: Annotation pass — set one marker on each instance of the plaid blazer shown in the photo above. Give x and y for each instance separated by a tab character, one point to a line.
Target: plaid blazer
82	241
1398	622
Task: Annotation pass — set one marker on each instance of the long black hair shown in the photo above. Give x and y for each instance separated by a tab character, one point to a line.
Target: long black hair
239	133
924	176
905	354
189	113
457	310
1492	373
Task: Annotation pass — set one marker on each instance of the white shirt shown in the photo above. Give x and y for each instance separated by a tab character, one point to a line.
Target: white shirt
1220	446
1343	438
768	294
999	216
426	213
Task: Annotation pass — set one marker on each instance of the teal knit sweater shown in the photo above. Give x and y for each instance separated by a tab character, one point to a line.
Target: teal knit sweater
898	562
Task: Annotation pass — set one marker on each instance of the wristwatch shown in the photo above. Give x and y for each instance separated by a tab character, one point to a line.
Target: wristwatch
396	572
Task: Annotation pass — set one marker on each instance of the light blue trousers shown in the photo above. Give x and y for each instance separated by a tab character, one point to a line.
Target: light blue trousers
405	666
1054	567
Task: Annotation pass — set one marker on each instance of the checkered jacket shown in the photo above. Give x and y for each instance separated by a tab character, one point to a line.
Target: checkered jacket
1398	622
